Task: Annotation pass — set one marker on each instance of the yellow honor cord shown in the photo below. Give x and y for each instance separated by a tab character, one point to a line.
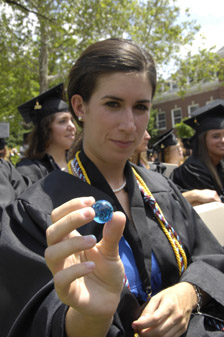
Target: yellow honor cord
82	168
69	165
172	242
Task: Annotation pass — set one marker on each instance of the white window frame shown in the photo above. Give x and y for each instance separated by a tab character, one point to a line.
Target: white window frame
163	120
174	118
192	106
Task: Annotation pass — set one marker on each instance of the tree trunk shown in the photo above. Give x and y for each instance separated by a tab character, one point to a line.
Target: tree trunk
43	58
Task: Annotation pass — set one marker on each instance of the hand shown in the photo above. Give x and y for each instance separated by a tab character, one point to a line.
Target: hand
88	276
168	313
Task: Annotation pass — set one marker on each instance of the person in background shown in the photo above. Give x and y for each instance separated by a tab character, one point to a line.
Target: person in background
204	169
12	183
170	152
169	148
139	157
51	137
167	151
145	271
187	146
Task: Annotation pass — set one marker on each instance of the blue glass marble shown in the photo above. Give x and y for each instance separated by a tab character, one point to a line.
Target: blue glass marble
103	210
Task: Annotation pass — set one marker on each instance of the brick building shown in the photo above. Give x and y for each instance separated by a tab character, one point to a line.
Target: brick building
172	108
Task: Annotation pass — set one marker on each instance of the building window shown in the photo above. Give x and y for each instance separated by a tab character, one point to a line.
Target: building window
192	108
161	120
176	116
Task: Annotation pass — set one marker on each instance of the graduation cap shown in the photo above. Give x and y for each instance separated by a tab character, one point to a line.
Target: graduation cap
4	133
208	117
45	104
166	139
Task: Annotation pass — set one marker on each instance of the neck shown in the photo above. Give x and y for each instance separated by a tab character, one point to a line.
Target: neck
59	155
112	171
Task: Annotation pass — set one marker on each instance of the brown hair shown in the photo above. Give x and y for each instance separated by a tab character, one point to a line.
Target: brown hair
107	57
202	153
40	138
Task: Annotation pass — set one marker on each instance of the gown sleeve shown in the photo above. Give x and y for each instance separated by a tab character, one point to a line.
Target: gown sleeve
12	183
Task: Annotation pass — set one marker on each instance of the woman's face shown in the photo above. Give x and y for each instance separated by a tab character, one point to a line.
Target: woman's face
143	145
116	116
215	143
63	130
174	154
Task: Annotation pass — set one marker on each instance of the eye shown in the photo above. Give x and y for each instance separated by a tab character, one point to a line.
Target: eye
141	106
113	104
63	120
216	135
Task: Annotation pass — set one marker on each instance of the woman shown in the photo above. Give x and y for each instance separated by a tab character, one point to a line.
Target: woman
204	169
134	275
169	148
139	157
52	136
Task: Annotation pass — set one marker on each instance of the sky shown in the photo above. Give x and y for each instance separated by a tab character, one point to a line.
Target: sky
210	15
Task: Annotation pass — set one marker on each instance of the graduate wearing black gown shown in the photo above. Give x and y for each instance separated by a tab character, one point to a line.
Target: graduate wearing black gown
195	173
27	290
150	268
37	162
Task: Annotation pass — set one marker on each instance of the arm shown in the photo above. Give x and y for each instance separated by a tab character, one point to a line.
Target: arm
197	197
88	276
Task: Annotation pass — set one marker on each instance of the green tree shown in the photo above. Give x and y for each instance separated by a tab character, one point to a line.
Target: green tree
183	130
42	38
198	69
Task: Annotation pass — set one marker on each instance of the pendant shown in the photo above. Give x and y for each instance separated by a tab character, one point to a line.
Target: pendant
103	210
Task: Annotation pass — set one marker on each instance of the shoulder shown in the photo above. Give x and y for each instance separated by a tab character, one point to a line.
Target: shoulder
33	168
25	161
8	169
192	161
6	165
156	182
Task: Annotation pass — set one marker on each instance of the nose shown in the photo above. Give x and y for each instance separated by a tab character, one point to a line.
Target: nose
127	120
147	135
71	125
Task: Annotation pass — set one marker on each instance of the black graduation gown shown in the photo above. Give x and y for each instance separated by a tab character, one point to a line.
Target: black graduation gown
29	303
12	183
37	169
193	174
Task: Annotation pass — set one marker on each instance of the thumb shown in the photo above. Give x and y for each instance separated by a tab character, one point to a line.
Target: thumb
112	233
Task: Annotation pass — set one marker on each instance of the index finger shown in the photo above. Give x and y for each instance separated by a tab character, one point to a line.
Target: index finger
65	226
71	206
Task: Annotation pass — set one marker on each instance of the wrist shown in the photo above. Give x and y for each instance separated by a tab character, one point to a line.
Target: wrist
78	324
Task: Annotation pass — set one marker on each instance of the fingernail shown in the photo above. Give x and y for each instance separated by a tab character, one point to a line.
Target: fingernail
87	212
90	265
88	201
90	238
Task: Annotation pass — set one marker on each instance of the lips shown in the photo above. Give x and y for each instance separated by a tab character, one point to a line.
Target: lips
123	143
72	135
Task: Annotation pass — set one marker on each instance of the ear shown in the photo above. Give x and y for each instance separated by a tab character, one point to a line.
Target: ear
79	106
